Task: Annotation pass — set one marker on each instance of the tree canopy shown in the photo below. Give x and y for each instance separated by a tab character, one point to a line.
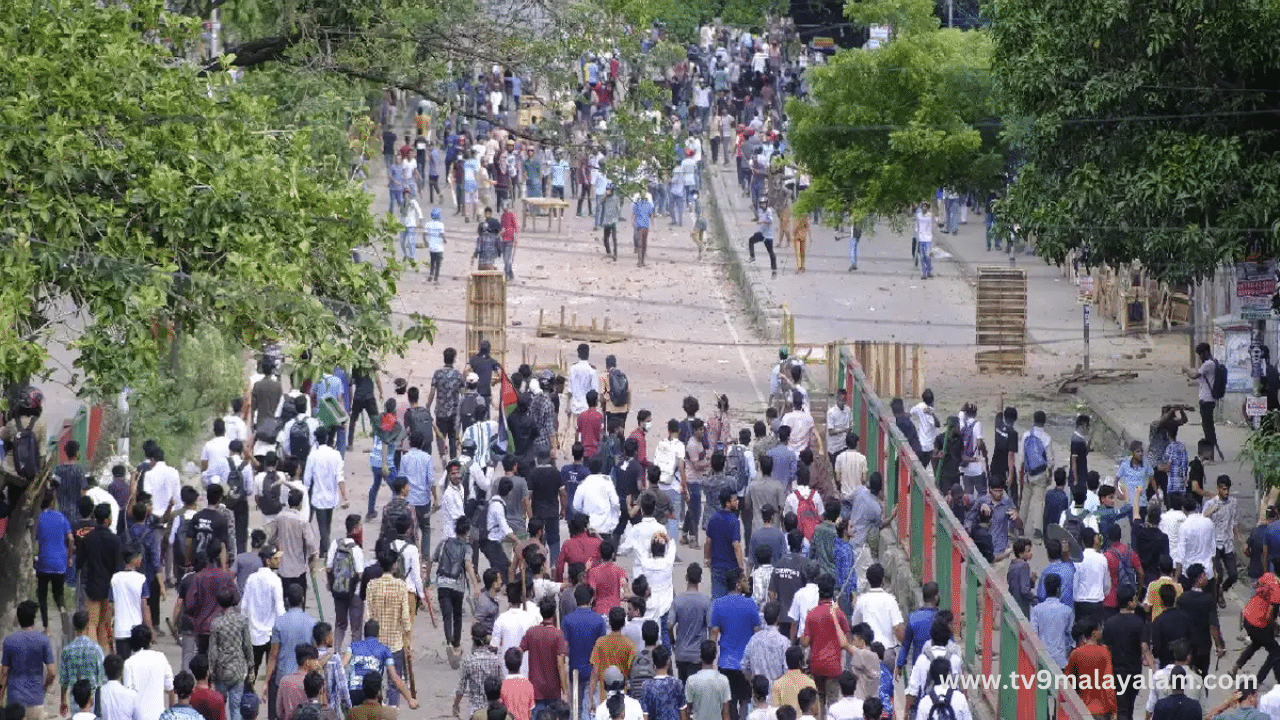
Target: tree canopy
1151	130
885	129
140	196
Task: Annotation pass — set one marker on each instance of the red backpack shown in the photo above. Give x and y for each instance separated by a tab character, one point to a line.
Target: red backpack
807	513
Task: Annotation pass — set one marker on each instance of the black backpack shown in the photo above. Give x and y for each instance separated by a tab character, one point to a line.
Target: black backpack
269	494
451	558
619	388
300	439
26	449
418	421
1218	389
268	430
467	410
235	480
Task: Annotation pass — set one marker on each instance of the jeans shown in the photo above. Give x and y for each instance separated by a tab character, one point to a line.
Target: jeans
43	581
693	517
1206	422
719	582
433	183
853	250
437	259
393	695
240	511
953	214
348	612
324	520
1226	573
377	483
599	212
397	200
533	187
451	614
757	191
508	254
768	246
715	149
677	210
926	260
408	244
677	509
448	432
423	513
551	527
993	240
459	199
497	557
231	692
366	405
611	230
586	706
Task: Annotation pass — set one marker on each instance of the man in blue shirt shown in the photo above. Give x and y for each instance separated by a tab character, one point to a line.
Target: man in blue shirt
641	212
570	476
723	551
1062	567
1056	500
734	619
417	466
582	628
295	627
918	624
28	661
371	656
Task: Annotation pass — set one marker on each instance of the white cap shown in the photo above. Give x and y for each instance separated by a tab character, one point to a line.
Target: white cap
473	378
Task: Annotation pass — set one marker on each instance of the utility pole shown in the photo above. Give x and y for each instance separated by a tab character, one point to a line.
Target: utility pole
951	13
1087	308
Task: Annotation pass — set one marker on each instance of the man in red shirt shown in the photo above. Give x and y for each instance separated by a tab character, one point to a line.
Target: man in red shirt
205	699
581	547
1114	552
548	658
825	628
607	580
643	420
1090	662
591	425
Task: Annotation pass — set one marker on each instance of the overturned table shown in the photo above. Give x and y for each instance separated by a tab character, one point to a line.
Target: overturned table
542	207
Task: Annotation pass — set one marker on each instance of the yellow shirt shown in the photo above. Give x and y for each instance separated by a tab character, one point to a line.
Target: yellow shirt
1153	595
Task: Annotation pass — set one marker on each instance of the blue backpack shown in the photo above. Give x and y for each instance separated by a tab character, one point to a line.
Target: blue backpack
1034	455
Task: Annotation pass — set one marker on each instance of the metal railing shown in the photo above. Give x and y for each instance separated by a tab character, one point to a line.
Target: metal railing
996	636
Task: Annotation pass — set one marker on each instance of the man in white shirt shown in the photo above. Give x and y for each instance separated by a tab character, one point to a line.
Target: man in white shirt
408	555
162	482
116	701
313	424
263	601
851	472
926	421
940	646
213	458
1269	704
100	496
879	610
129	593
148	673
975	475
1037	478
847	707
452	494
637	538
805	599
583	378
234	422
1171	525
509	627
597	498
800	422
323	478
1198	539
669	456
839	418
1092	578
498	530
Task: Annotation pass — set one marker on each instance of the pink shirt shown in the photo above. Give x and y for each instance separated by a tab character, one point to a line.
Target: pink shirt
517	695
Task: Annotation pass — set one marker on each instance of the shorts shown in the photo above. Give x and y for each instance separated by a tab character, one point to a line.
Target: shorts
471	197
739	688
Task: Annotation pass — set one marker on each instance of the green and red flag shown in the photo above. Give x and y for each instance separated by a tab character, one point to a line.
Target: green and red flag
508	400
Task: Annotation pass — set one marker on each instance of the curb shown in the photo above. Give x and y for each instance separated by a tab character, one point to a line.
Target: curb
761	318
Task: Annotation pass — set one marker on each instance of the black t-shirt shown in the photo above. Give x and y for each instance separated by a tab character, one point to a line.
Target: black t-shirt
1080	452
1178	707
363	385
1203	611
1123	635
101	561
1257	540
627	480
1173	623
185	622
484	367
544	491
1006	442
908	430
788	578
205	526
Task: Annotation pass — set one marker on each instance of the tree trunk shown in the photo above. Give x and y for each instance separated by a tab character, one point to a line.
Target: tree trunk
18	551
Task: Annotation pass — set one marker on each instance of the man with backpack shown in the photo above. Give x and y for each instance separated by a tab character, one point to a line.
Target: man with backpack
1037	469
806	503
453	570
1211	381
267	487
299	434
236	497
617	394
24	438
345	563
1125	569
1077	517
418	421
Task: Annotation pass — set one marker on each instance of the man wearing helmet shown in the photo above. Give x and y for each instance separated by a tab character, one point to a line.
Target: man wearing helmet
24	437
433	232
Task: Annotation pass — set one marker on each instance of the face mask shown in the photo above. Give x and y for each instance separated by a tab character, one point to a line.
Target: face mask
648	425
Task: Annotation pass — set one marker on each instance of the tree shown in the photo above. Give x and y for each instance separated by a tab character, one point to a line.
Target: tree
144	202
885	129
1151	131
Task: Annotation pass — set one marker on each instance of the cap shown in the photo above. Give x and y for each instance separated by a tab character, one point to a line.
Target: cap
267	551
249	704
473	378
613	676
271	458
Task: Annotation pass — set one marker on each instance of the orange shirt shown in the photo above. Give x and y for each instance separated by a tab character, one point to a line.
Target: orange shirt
1257	611
1092	663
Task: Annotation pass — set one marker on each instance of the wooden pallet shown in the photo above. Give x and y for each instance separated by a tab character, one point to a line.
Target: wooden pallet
571	330
1001	325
